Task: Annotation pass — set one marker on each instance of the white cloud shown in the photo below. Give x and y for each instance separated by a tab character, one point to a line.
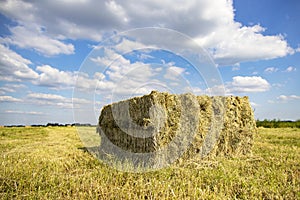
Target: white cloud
241	84
82	19
284	99
23	112
196	90
46	99
235	43
54	78
81	101
288	98
36	39
277	85
271	69
235	68
173	72
229	41
144	56
290	69
210	23
118	10
253	104
11	87
218	90
99	76
127	45
109	57
13	67
127	78
18	10
121	75
43	96
9	99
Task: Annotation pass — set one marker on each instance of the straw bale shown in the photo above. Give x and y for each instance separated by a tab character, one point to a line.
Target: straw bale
220	125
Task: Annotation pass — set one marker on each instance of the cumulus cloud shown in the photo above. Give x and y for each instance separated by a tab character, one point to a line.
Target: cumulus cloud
125	79
82	19
24	37
210	23
122	76
54	78
240	84
236	43
244	84
13	67
109	57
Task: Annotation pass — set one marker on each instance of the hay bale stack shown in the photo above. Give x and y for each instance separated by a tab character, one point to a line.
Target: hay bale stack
218	125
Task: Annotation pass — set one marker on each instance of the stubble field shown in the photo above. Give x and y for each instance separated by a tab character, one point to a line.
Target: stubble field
51	163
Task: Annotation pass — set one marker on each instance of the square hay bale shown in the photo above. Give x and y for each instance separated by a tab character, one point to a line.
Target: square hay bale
207	126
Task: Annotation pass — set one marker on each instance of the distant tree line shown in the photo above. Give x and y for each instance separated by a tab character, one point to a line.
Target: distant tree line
51	125
276	123
14	126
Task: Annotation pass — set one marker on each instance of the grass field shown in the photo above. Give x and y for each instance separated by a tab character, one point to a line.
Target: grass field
51	163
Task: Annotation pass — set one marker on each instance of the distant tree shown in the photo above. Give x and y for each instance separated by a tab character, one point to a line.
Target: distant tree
276	123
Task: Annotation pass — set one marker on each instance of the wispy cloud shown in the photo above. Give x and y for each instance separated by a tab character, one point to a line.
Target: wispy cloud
23	112
54	100
288	97
271	69
290	69
11	88
9	99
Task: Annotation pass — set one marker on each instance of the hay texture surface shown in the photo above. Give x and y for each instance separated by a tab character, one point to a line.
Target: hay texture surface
208	126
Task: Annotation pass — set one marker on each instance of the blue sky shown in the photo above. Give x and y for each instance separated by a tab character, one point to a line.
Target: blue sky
62	61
